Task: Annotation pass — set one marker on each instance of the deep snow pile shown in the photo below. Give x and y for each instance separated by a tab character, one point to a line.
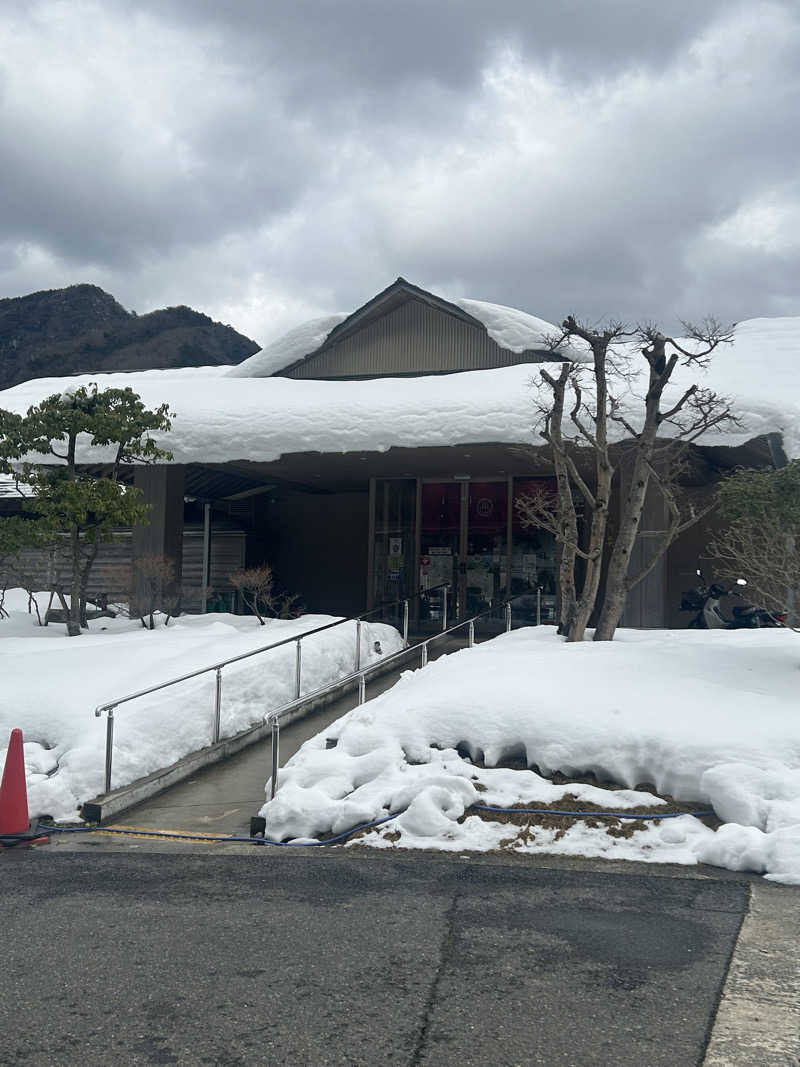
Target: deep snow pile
219	417
706	716
52	683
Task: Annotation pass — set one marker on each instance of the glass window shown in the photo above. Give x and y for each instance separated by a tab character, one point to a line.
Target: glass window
533	560
395	503
487	545
439	543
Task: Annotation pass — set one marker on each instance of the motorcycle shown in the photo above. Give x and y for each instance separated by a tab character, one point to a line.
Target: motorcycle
704	600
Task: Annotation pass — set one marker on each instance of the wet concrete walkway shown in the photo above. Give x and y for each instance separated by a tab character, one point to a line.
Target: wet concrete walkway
221	799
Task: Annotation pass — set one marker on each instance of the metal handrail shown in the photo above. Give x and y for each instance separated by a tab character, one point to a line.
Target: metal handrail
110	706
273	717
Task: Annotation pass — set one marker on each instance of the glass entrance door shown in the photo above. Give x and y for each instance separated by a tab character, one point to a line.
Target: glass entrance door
485	573
464	542
428	533
440	547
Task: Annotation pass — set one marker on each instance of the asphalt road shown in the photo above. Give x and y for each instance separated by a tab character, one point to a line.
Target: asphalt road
335	958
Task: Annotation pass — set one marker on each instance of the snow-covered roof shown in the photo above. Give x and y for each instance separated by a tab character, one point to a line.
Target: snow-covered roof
220	418
288	348
518	331
514	330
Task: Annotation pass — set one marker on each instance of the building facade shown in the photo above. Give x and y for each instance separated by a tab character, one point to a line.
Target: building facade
349	527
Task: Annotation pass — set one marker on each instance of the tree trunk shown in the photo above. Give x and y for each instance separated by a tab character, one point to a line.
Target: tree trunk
604	473
591	581
597	536
616	579
74	615
565	506
567	594
85	573
619	564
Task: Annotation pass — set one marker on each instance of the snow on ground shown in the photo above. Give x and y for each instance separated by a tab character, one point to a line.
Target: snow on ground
709	717
220	418
51	685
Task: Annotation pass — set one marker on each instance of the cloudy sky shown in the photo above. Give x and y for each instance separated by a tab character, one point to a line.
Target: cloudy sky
270	160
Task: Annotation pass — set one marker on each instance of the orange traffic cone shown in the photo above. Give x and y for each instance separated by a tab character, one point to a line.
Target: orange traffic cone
15	826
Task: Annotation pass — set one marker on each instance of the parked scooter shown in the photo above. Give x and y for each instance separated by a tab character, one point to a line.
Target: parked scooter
704	600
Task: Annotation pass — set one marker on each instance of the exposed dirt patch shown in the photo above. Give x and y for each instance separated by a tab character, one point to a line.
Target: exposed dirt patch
523	825
529	824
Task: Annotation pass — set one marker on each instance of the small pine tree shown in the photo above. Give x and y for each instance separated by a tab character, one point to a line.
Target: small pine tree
73	508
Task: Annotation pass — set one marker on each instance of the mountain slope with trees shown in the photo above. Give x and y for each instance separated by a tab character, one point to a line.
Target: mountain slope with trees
82	329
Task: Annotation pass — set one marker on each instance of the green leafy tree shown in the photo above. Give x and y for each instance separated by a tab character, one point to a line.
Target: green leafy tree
761	542
71	504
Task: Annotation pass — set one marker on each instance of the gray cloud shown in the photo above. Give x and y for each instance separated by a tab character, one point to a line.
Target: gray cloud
266	162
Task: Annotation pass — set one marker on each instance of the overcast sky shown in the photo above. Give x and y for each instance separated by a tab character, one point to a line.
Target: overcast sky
266	161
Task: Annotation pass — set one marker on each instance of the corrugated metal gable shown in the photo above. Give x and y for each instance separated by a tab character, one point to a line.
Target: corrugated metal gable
412	339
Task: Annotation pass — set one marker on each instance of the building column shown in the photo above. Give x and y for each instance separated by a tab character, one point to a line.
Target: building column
162	535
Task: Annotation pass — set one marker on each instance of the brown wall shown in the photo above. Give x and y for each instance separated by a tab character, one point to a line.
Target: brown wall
317	547
685	555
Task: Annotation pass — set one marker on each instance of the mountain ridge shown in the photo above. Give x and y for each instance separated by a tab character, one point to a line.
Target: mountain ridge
82	329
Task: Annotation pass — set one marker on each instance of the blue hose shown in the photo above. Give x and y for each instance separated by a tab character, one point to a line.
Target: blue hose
586	814
48	828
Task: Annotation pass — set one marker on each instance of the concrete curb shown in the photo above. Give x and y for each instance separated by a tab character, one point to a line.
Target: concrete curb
108	805
758	1019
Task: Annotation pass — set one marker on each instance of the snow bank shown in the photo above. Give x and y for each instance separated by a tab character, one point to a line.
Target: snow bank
51	685
707	717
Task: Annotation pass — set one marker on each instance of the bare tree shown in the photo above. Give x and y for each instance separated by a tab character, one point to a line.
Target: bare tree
771	562
694	413
655	453
761	541
257	588
154	589
587	428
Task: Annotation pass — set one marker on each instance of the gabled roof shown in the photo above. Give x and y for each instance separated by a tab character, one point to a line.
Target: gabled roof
509	328
390	298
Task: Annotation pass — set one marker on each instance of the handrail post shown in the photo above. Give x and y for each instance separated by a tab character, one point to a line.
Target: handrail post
405	624
508	617
471	634
217	704
275	739
424	653
298	666
358	644
362	688
109	747
538	605
444	608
